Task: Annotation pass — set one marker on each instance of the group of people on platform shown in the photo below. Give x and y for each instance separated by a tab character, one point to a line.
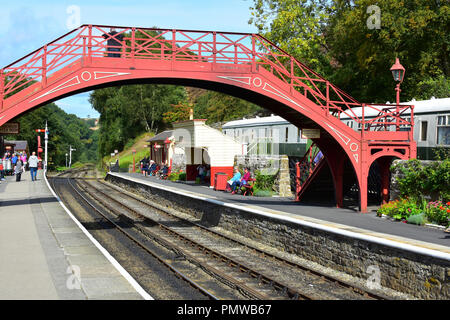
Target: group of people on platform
238	180
204	173
151	168
16	163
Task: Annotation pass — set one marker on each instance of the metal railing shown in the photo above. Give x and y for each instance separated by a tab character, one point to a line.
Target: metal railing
252	51
307	167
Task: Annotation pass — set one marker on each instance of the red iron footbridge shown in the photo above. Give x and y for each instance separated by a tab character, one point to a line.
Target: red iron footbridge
244	65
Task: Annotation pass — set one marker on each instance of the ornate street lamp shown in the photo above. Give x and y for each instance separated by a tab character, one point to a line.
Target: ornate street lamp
398	72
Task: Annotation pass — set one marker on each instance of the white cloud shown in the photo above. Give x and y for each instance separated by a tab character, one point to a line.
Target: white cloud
78	105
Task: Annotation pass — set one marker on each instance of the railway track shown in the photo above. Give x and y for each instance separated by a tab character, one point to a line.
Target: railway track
131	250
253	273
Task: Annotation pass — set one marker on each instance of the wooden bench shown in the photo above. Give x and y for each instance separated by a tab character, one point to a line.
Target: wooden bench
249	186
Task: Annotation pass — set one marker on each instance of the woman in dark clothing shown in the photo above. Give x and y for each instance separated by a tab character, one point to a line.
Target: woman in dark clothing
18	169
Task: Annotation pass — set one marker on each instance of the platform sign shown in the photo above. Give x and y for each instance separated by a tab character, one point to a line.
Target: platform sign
310	133
10	128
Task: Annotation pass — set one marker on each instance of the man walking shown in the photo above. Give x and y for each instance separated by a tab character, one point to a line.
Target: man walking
33	164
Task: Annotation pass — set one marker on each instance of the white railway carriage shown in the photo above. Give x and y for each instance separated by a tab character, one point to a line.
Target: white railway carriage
431	130
431	124
267	135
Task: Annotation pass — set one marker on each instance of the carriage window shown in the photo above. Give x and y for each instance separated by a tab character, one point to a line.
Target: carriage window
443	130
423	130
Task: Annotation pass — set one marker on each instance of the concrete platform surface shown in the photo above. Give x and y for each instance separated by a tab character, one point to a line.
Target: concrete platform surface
345	221
45	255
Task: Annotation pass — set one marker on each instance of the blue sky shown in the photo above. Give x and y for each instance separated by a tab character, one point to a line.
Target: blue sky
26	25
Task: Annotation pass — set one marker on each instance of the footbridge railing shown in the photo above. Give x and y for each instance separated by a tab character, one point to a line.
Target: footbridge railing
50	62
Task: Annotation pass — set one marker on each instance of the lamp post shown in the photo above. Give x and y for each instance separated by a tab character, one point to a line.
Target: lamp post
70	155
66	159
134	163
398	72
46	147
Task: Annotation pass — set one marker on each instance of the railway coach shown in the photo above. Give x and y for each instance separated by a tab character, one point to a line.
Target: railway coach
431	125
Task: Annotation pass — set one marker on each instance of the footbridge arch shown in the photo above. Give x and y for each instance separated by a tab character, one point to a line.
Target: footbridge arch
240	64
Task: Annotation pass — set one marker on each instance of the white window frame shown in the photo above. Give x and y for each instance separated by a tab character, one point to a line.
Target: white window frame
446	123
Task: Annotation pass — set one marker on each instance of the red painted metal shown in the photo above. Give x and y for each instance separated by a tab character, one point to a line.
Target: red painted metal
307	168
78	61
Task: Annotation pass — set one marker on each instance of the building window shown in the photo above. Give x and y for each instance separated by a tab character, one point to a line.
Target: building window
287	134
299	134
443	130
423	130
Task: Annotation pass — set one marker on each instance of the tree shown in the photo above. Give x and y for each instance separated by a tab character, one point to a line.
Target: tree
220	107
334	38
296	27
177	112
127	111
65	129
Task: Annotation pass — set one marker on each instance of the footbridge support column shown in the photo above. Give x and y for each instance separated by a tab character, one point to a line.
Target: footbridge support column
336	164
363	174
384	164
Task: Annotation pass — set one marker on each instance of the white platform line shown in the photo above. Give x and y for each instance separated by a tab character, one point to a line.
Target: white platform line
110	258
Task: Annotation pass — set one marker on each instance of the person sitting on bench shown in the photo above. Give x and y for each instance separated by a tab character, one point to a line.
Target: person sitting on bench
235	181
244	180
164	171
152	168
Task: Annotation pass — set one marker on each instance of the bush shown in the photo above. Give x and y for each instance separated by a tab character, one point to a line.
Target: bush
438	212
400	209
262	193
421	181
418	219
182	176
264	182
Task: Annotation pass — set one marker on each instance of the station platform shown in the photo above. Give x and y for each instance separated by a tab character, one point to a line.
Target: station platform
366	226
46	255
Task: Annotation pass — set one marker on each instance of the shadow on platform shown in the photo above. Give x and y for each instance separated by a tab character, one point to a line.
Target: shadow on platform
19	202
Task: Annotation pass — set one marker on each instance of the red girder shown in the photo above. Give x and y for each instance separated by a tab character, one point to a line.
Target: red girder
77	61
307	168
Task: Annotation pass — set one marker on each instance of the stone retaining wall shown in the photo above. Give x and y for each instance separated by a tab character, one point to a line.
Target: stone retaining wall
277	165
418	275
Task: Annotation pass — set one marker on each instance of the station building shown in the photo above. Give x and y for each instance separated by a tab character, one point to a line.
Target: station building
194	143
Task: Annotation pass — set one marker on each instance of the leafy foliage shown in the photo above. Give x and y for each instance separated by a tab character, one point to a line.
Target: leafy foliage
127	111
64	130
178	112
220	107
264	182
334	39
418	180
400	209
438	212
